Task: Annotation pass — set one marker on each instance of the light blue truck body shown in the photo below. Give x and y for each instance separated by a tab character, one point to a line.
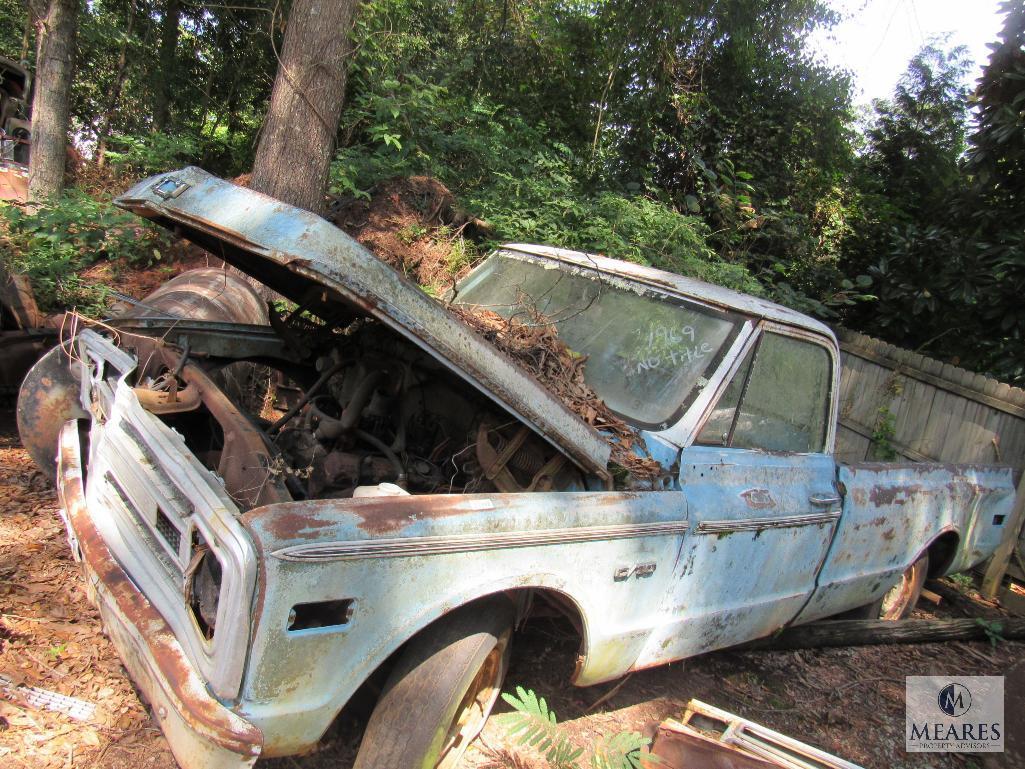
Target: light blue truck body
733	544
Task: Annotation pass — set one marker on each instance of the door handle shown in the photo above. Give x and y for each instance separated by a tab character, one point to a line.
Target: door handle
825	500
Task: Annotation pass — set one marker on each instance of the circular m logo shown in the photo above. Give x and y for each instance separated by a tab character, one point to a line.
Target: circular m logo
954	700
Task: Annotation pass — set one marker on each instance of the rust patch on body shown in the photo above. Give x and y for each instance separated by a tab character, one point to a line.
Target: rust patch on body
898	494
287	522
758	499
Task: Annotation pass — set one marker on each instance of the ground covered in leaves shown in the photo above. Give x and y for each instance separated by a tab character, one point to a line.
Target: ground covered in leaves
846	701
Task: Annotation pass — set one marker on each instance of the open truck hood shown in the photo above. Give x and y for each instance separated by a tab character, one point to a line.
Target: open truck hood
310	261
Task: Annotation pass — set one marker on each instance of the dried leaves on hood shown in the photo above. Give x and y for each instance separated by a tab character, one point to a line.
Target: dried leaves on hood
534	343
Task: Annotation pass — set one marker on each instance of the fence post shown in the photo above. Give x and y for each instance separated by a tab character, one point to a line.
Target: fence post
1002	557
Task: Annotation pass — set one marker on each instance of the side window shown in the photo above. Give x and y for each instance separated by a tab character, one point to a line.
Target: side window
783	397
716	431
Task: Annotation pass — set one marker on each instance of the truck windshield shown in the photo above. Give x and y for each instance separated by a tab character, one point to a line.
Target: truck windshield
648	355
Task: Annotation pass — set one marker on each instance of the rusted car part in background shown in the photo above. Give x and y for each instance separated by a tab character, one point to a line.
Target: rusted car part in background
24	337
206	293
15	131
13	180
51	389
711	738
200	730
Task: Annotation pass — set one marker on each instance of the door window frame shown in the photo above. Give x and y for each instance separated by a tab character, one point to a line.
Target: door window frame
805	335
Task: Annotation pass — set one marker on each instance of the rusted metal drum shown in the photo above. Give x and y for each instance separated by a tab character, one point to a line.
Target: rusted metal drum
208	293
49	394
48	398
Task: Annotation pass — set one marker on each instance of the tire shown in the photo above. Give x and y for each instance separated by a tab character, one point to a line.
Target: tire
901	599
441	691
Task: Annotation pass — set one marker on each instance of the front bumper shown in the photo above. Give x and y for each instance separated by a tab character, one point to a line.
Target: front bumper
202	733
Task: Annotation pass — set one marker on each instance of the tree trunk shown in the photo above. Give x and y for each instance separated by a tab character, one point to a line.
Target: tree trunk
115	92
55	65
169	33
298	136
26	38
858	632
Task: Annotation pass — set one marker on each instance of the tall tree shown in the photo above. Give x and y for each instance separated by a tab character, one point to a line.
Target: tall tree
996	201
169	34
298	135
55	64
916	144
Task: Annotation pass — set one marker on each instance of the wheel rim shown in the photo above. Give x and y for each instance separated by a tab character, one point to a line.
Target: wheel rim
476	705
900	596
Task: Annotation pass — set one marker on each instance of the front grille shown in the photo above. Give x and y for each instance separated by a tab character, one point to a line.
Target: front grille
133	517
169	531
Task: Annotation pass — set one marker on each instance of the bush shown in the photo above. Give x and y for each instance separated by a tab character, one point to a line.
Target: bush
52	243
152	153
527	188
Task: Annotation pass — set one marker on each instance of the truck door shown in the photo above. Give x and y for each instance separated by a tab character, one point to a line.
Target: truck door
762	499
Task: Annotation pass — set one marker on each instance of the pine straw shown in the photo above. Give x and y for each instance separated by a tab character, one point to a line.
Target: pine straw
534	343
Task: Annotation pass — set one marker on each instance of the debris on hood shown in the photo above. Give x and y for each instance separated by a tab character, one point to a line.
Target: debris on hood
535	345
415	225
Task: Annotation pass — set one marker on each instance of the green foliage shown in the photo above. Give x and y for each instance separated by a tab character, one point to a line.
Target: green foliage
13	15
883	434
501	107
533	723
993	630
526	187
219	75
152	153
621	751
962	580
938	221
53	243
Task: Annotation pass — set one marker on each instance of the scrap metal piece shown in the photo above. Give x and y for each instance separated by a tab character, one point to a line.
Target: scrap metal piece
23	337
717	739
206	293
44	699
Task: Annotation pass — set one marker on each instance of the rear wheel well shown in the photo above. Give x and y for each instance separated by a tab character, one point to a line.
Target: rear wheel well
941	553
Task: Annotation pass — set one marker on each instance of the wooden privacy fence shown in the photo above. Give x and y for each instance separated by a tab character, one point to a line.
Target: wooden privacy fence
896	404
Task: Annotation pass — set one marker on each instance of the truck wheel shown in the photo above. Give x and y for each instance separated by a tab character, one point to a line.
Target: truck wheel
441	691
900	601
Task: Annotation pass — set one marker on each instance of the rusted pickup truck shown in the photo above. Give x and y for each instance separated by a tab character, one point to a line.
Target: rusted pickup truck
410	495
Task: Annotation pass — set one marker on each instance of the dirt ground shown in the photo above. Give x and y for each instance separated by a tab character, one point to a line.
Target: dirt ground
847	701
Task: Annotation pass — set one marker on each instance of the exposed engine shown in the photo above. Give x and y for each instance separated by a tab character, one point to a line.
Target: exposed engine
381	411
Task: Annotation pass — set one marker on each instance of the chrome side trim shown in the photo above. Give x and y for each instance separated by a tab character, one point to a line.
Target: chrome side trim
397	547
756	524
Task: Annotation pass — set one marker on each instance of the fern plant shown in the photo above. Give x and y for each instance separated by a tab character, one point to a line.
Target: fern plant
622	751
533	723
536	726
